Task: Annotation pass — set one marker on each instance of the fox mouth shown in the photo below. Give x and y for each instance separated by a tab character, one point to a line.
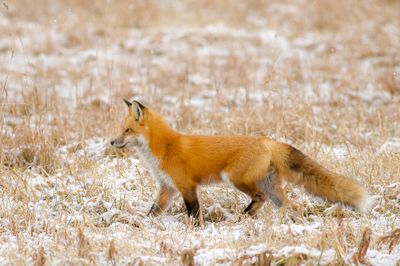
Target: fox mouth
120	146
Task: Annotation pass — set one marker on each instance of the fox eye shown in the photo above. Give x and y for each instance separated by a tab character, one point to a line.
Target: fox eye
127	130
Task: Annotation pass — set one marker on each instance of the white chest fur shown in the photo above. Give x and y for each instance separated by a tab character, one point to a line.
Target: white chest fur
225	178
153	163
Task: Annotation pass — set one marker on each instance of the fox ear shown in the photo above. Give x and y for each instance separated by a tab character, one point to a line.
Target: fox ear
128	103
138	110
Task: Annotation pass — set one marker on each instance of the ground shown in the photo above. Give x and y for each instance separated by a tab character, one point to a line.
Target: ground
323	76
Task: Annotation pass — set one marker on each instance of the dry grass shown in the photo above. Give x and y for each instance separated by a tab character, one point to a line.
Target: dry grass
322	75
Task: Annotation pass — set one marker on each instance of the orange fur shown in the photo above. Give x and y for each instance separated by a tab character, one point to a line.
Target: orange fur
255	165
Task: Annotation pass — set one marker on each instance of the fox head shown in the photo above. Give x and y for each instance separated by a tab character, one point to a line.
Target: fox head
133	126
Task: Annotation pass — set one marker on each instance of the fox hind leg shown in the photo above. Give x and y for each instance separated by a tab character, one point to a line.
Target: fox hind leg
269	186
257	197
272	187
257	201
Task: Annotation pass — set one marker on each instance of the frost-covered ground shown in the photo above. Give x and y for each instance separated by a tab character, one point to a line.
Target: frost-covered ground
109	200
311	73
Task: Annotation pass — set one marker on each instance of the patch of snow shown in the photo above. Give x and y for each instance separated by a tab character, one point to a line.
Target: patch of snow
212	256
325	256
390	146
297	229
372	95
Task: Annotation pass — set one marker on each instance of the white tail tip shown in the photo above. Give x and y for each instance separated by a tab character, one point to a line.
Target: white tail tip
366	203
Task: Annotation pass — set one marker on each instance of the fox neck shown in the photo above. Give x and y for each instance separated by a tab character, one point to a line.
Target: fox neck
159	138
154	148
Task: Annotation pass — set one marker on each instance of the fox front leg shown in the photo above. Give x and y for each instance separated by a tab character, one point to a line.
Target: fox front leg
191	203
163	200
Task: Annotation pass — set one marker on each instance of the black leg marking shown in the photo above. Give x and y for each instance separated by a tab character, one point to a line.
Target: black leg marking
256	203
250	206
193	208
192	203
162	202
153	209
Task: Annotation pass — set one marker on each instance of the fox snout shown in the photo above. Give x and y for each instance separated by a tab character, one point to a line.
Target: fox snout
118	142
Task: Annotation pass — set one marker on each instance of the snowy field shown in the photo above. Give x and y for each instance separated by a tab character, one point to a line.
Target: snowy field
321	75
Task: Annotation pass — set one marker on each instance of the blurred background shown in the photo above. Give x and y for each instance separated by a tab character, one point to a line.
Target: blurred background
203	53
322	75
293	69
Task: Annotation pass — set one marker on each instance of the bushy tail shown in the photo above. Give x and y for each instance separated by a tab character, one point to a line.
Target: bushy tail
326	184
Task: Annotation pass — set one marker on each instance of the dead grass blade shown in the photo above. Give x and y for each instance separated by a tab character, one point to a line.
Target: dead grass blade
187	257
83	244
40	257
260	259
359	256
391	240
112	253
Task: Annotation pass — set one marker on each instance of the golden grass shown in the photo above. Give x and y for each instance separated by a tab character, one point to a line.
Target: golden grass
211	67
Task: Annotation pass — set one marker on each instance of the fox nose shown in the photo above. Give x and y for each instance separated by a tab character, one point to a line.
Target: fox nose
112	142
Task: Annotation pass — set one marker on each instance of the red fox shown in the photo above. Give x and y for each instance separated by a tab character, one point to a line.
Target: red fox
256	165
